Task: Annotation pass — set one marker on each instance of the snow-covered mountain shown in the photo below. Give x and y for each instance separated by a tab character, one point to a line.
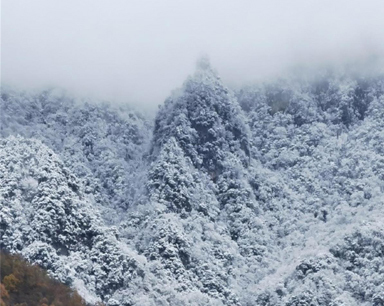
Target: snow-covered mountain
272	194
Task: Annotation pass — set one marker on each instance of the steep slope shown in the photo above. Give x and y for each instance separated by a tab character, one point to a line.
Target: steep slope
206	120
327	211
102	144
272	195
208	125
46	217
200	226
25	284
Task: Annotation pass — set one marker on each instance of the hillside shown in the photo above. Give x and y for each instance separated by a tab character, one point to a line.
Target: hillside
270	194
25	284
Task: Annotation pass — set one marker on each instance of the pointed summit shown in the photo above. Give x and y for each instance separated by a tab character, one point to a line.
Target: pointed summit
206	121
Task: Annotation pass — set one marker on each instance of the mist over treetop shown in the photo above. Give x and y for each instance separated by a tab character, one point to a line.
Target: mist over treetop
115	51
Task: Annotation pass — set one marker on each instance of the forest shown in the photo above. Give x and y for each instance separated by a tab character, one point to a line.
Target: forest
270	193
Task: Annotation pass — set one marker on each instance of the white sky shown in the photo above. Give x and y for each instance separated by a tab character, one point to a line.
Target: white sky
138	51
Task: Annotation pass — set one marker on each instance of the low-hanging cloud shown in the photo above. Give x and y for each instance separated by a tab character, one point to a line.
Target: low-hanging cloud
138	51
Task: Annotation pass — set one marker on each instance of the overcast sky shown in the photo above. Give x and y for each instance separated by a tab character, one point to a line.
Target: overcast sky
138	51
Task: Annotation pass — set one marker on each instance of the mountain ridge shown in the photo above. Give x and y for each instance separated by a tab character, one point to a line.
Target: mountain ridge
268	195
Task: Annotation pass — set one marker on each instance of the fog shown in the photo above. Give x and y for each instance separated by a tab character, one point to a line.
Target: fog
138	51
